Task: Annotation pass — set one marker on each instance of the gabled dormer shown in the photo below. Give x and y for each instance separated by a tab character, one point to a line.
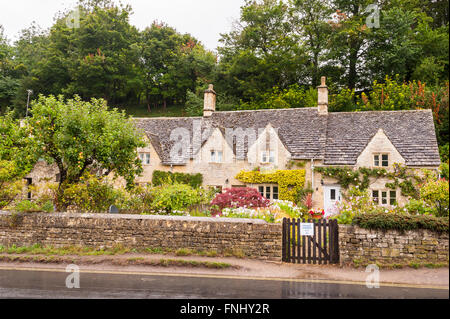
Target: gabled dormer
268	149
379	152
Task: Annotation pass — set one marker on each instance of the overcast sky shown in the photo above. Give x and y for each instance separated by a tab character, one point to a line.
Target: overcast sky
204	19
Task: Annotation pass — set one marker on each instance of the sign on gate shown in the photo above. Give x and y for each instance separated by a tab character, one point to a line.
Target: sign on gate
306	229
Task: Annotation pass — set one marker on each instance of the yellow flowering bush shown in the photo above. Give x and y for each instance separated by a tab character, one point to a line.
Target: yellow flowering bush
289	181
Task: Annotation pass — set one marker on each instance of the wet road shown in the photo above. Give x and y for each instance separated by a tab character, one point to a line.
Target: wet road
52	284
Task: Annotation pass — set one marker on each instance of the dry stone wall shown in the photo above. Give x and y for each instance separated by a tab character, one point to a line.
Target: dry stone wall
361	246
255	238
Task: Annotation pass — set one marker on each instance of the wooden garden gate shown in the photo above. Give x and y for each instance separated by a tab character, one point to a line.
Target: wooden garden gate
318	243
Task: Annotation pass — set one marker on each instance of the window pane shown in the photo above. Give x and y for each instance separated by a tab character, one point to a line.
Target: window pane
268	192
376	160
213	156
332	194
385	160
275	192
219	155
383	198
147	158
375	197
272	157
261	190
392	197
264	157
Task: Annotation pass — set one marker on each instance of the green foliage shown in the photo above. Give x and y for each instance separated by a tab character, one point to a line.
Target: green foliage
175	197
343	101
78	136
291	97
30	206
444	152
9	191
162	177
389	221
358	202
137	200
443	170
408	180
348	176
419	207
17	157
91	195
436	194
17	149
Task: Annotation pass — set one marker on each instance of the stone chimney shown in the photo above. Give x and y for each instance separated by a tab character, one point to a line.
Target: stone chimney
209	103
323	97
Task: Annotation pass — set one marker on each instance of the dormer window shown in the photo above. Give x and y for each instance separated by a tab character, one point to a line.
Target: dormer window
216	156
381	160
145	158
268	157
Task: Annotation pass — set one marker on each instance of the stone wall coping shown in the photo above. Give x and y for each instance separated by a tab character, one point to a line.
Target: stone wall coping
147	217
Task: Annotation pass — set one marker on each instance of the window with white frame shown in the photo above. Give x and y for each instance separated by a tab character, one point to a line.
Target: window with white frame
216	156
267	157
384	197
381	160
145	158
268	191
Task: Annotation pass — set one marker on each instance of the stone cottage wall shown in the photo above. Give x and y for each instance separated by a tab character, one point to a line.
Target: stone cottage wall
359	245
255	238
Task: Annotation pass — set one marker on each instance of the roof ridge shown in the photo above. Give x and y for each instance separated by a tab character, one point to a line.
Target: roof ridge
382	111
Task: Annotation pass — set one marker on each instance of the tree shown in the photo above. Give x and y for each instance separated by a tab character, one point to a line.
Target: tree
260	52
309	20
17	157
9	82
85	136
171	63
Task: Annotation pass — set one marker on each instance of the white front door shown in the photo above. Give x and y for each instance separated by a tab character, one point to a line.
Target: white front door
331	196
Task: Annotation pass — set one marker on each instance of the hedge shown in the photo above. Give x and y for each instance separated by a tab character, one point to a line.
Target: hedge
390	221
161	177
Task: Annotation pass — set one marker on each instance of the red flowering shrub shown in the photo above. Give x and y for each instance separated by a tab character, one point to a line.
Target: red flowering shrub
239	197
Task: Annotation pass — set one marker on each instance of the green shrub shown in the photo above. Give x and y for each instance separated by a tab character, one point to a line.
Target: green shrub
161	178
419	207
436	194
390	221
443	170
92	194
176	197
138	200
27	206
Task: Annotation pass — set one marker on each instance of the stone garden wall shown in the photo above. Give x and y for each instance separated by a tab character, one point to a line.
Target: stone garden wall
255	238
362	246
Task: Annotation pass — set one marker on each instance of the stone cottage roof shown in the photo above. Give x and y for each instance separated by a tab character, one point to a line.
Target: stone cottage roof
411	132
337	138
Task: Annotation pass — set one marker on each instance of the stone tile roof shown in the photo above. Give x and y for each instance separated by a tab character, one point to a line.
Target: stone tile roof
411	132
337	138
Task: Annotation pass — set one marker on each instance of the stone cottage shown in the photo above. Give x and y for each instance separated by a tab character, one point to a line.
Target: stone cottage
219	145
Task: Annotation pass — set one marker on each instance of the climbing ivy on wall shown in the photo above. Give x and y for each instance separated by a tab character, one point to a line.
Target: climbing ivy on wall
289	181
406	179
